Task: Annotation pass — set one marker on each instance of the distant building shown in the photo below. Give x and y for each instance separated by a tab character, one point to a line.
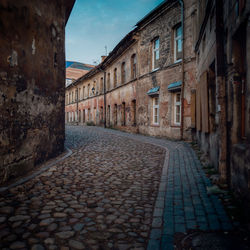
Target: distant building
75	70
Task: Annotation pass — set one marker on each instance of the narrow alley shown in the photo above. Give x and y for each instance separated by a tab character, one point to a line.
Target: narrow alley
115	191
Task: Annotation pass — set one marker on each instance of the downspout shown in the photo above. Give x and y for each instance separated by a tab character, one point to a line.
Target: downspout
182	69
104	96
77	120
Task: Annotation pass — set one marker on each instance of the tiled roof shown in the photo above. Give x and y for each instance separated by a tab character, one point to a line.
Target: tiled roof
79	65
72	73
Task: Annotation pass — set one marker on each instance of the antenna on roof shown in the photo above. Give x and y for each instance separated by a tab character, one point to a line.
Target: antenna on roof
106	50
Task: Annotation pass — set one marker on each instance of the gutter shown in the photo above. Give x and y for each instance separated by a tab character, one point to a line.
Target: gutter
182	69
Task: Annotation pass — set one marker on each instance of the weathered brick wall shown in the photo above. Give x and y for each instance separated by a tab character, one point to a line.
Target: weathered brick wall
32	77
169	71
134	91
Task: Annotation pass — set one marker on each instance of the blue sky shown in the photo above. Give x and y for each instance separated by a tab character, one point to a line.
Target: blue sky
94	24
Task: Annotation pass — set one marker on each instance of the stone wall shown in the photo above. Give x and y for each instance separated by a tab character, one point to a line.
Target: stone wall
32	77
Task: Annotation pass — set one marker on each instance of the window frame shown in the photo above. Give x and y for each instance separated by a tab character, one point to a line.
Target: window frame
133	66
156	106
177	38
154	51
115	78
123	72
177	104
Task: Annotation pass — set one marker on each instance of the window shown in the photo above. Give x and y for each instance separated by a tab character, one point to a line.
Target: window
115	115
156	54
134	112
88	90
79	94
123	73
115	77
123	114
102	85
108	115
89	114
156	110
101	114
79	115
75	95
83	93
133	67
178	43
72	100
177	109
83	115
108	81
76	116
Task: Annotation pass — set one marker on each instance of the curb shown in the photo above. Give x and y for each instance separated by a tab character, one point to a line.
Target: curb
25	179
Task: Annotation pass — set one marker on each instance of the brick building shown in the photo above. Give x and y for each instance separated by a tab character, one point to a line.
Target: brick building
223	90
144	85
32	80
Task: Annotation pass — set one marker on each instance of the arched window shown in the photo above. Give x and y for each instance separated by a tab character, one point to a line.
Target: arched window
133	66
108	81
115	77
123	73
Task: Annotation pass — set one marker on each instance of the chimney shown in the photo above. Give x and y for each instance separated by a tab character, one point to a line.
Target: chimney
103	58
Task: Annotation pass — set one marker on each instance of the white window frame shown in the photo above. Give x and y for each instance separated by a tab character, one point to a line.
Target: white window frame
76	115
155	50
176	38
156	106
177	104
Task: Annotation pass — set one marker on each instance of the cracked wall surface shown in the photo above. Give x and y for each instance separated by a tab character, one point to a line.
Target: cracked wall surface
32	77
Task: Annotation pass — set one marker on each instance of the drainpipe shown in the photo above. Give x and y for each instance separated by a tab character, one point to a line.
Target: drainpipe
182	69
104	96
77	123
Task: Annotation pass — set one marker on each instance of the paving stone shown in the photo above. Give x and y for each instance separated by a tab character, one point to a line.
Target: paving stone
65	235
37	247
17	245
19	218
78	226
46	222
76	244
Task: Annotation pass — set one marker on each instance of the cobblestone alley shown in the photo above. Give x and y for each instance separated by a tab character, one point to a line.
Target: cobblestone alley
115	191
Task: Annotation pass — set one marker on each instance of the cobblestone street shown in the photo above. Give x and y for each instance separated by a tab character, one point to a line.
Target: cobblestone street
115	191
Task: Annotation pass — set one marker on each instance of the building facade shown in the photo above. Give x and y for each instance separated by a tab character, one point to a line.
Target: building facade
145	84
32	81
223	89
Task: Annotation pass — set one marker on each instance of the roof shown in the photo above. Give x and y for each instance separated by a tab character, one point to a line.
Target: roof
72	73
152	13
174	85
79	65
153	91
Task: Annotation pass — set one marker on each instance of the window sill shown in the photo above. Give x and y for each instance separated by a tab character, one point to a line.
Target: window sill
155	125
154	70
177	61
175	126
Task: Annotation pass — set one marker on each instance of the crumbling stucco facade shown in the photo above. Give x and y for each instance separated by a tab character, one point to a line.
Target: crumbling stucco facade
143	85
32	80
222	95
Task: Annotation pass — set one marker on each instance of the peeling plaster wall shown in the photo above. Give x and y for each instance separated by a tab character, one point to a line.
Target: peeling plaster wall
32	72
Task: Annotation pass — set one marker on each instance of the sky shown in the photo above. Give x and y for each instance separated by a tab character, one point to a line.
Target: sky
95	24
